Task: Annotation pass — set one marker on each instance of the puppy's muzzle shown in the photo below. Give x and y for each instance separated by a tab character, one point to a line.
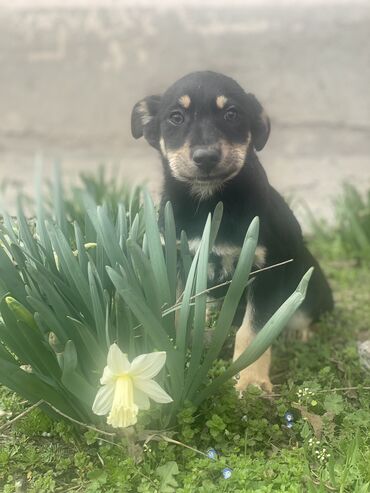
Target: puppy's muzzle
206	158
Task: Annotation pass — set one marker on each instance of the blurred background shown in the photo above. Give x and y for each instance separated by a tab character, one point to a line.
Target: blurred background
71	70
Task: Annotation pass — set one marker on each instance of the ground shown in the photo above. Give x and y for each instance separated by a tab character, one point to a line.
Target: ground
321	383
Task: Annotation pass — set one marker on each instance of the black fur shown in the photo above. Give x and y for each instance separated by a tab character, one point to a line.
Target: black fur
244	196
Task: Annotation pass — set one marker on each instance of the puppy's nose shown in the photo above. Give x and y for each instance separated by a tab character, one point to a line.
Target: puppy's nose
206	158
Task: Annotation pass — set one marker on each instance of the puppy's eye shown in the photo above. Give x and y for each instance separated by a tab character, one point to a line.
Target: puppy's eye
231	115
176	118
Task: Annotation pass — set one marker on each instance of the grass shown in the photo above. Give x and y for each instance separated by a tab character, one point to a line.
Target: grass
321	383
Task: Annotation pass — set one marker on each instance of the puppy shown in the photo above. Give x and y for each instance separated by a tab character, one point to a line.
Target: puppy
207	130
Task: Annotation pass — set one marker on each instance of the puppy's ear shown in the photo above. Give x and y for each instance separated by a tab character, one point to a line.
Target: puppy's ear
260	125
144	120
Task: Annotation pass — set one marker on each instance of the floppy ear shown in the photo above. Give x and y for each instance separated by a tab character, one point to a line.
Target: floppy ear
260	125
144	120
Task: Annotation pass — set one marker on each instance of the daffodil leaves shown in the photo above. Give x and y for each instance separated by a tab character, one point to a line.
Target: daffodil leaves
87	275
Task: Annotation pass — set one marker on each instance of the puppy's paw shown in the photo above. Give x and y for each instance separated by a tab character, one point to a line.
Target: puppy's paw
301	335
247	378
299	328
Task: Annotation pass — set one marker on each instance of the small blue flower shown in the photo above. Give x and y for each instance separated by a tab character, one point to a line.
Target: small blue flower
227	472
289	424
288	416
212	454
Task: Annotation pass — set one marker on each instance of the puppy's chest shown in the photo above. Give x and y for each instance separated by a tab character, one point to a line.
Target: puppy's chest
224	258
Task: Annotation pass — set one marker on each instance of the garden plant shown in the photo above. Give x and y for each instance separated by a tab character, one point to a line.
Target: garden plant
100	309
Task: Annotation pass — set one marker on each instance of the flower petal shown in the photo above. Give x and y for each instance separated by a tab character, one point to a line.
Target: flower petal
127	417
103	400
117	361
124	410
152	389
141	399
148	365
108	377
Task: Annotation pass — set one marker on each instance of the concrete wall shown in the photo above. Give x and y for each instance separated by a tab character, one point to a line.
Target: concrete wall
70	73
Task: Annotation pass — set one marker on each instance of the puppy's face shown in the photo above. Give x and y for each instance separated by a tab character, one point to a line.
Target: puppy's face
203	126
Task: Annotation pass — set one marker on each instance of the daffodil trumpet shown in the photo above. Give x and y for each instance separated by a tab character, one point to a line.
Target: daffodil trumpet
127	387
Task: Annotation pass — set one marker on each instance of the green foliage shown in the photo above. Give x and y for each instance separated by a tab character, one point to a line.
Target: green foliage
353	217
327	448
81	276
167	473
333	403
350	235
264	455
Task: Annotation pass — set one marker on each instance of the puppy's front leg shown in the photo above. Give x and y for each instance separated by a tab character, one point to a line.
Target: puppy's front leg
258	372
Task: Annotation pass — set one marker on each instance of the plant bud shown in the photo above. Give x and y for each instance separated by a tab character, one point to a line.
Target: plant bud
54	342
21	313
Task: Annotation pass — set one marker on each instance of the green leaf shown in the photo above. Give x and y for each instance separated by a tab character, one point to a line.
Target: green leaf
121	225
58	202
81	250
333	403
230	304
263	339
216	222
8	225
27	342
73	379
51	306
141	310
167	474
70	266
146	277
153	328
184	320
156	251
186	257
106	233
25	236
40	209
70	357
11	278
200	305
170	249
33	389
97	301
134	230
93	353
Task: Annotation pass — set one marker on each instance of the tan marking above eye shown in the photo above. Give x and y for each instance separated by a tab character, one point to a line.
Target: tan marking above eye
221	101
185	101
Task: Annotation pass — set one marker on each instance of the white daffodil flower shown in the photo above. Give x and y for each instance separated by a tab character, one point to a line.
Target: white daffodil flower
127	386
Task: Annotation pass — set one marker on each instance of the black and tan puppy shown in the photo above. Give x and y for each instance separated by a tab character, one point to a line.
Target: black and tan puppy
207	130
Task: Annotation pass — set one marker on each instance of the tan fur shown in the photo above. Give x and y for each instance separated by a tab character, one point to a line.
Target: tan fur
299	327
221	101
162	146
233	157
260	256
178	161
184	169
258	372
185	101
194	245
